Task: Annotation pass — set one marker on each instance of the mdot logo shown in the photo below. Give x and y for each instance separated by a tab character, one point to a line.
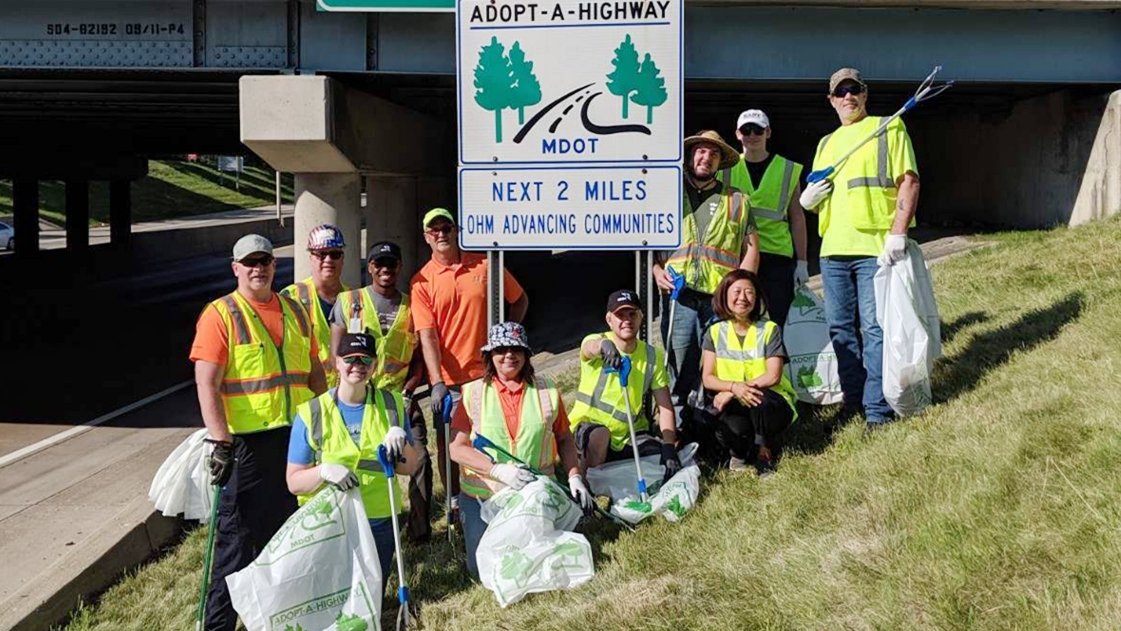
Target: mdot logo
318	521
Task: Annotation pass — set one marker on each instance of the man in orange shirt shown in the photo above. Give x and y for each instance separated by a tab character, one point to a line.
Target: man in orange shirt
255	360
449	309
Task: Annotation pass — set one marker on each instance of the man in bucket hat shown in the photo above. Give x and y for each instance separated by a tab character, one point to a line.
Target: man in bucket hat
717	236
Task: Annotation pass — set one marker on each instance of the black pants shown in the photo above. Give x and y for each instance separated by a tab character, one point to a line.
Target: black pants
419	526
253	506
777	273
739	425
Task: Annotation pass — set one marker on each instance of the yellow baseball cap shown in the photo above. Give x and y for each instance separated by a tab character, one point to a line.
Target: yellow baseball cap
435	214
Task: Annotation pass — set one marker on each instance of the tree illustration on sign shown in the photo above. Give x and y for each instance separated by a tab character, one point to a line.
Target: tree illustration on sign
494	82
651	88
527	90
624	79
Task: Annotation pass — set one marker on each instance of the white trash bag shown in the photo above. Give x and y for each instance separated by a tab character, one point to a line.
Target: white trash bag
811	365
319	572
182	483
528	546
908	315
672	500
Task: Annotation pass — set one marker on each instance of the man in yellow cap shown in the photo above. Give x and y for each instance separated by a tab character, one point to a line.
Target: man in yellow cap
865	209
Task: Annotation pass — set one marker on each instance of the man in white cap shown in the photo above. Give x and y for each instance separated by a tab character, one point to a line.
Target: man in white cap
771	182
317	293
865	209
256	360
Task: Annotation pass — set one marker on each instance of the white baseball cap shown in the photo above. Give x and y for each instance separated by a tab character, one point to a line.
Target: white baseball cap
754	117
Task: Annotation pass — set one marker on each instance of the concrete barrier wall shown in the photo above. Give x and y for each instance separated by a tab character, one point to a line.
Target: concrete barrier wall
165	245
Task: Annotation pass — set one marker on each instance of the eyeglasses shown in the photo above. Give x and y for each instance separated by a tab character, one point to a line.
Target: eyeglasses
444	228
853	89
334	255
752	130
365	360
506	350
257	261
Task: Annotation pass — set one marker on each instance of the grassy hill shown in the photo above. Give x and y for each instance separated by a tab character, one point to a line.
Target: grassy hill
172	188
995	509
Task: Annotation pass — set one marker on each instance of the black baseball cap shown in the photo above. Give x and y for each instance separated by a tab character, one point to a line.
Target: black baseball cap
623	298
357	344
383	249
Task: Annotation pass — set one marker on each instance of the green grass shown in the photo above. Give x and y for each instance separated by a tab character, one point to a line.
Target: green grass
172	188
995	509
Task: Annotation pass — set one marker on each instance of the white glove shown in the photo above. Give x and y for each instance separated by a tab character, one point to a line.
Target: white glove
394	443
815	194
580	494
342	478
801	273
895	248
512	475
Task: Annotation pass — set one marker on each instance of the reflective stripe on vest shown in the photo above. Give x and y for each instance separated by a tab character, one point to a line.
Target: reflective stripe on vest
395	347
595	400
882	179
704	259
724	351
304	291
749	361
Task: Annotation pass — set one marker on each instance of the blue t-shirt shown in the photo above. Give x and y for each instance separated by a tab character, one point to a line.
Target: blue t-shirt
300	452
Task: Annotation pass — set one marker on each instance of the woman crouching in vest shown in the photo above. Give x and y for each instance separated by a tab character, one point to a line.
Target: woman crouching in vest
742	364
521	413
335	438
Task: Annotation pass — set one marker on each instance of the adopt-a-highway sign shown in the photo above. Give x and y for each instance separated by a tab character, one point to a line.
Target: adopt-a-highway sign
598	207
569	81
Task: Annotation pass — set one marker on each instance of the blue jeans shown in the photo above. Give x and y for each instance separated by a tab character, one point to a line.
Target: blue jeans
470	515
382	527
691	314
849	293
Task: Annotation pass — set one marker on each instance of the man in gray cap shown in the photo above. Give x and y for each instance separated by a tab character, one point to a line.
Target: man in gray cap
255	360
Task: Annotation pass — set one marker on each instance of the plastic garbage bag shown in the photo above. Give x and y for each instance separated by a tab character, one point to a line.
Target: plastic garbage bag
527	546
908	315
182	483
812	364
672	500
617	479
320	571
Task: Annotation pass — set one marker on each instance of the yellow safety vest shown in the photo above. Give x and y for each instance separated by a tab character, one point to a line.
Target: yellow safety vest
330	440
263	382
704	262
394	347
736	361
769	202
533	442
599	397
304	291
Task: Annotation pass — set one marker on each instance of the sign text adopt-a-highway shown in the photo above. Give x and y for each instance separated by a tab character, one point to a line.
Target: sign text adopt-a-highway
569	82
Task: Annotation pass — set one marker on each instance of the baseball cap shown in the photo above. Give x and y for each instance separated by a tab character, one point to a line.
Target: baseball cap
753	117
383	249
849	74
251	244
623	298
357	344
436	213
325	237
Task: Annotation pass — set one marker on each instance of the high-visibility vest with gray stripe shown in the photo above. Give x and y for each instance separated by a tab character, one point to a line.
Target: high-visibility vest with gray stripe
743	360
331	442
395	347
705	259
599	397
864	184
263	383
304	291
770	201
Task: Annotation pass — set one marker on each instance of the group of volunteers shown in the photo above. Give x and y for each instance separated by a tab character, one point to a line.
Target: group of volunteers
300	388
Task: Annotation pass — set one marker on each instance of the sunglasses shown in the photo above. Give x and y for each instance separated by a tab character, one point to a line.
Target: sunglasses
506	350
365	360
440	229
844	90
334	255
752	130
257	261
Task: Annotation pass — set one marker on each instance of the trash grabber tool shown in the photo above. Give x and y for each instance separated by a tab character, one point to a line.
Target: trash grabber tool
926	91
402	589
446	414
624	373
211	526
482	442
678	285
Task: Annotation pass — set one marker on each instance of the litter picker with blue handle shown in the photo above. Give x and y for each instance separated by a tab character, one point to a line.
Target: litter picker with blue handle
624	372
402	590
678	285
927	90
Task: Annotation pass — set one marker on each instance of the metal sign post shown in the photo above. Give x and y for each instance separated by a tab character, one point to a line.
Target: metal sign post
496	287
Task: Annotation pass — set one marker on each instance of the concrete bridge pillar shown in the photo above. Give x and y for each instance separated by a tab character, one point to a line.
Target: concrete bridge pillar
392	215
329	198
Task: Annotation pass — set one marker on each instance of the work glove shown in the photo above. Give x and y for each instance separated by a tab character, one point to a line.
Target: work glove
337	475
815	194
221	461
436	400
895	248
611	357
512	475
670	461
801	274
394	443
581	495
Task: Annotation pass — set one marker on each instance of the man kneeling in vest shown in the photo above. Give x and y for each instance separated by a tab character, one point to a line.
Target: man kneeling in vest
336	435
599	418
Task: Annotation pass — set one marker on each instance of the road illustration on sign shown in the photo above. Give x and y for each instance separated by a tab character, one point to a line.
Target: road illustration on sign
507	81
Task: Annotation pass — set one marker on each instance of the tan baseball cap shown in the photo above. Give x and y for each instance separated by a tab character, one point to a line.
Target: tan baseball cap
845	74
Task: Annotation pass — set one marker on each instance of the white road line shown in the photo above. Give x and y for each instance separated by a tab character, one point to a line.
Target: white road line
85	427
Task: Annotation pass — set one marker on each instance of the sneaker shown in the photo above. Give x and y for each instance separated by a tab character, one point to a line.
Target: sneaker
737	464
764	466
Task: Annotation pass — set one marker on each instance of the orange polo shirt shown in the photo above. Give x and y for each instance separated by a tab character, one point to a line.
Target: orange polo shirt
452	299
212	340
510	395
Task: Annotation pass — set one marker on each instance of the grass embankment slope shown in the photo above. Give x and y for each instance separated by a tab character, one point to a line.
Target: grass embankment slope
996	509
172	188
